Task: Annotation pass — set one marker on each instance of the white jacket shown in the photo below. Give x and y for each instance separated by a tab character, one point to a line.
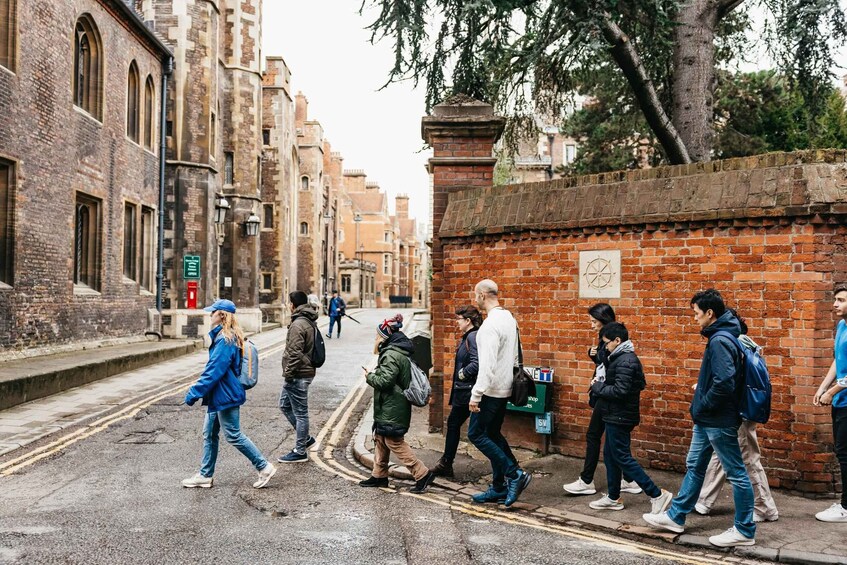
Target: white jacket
497	347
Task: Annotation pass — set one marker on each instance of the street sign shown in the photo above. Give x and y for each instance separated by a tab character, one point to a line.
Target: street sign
535	404
191	267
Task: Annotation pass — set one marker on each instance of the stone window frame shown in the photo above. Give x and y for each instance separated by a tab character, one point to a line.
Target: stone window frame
346	283
9	35
149	125
386	264
147	250
267	280
268	216
130	250
307	185
266	137
304	232
7	222
229	168
88	243
213	133
133	103
88	69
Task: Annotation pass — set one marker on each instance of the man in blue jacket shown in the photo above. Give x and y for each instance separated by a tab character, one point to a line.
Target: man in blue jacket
337	308
715	410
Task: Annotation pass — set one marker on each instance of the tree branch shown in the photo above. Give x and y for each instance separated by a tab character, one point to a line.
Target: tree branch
724	7
629	61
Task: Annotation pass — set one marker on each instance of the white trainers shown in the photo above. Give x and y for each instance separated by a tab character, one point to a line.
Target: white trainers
659	504
663	522
606	503
758	518
580	487
702	509
265	476
835	513
631	487
731	538
198	481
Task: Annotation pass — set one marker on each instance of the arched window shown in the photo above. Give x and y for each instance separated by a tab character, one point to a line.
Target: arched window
304	183
132	105
88	67
149	112
304	228
8	33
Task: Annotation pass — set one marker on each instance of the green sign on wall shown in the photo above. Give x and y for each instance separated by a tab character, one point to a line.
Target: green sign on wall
536	404
191	267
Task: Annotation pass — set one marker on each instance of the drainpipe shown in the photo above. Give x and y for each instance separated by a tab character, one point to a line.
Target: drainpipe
167	69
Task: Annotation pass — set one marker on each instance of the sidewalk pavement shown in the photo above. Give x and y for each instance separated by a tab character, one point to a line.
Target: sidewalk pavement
795	538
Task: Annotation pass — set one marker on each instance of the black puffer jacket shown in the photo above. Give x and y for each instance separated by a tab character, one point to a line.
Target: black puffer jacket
467	360
619	396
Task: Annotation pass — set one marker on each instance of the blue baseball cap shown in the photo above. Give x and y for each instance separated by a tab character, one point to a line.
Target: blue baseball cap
221	304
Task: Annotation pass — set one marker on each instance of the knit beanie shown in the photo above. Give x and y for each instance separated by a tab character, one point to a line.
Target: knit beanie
298	298
390	325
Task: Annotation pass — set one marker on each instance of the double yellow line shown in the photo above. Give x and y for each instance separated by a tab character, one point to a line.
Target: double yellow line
88	430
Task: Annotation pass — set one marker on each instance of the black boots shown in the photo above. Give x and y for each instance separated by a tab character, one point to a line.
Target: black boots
374	482
443	469
423	484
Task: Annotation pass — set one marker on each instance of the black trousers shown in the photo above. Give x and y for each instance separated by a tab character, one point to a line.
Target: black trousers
839	433
458	416
593	438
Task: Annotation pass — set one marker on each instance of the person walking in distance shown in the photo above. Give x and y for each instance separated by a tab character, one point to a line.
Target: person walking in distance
833	390
337	309
715	410
764	507
618	398
497	344
298	373
465	368
223	394
392	410
598	316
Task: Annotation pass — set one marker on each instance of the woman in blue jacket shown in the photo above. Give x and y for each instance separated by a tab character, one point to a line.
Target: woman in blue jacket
222	392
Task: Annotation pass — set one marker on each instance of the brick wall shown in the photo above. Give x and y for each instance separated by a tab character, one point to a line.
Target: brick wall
768	232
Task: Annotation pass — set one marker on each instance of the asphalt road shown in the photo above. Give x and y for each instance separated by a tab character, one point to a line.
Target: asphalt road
116	497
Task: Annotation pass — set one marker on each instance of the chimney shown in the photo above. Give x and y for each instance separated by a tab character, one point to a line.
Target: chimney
301	109
401	205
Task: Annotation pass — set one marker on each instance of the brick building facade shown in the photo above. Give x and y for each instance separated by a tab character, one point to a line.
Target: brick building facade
79	172
769	232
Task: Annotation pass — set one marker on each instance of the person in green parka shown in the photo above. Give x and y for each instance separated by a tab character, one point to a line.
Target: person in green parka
392	410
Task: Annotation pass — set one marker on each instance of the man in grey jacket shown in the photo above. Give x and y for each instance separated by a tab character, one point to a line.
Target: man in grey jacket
298	372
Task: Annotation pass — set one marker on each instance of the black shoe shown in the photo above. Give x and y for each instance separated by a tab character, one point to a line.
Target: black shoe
443	469
423	484
374	482
310	442
329	336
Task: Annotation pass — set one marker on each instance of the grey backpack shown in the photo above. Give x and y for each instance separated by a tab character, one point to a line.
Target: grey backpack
419	390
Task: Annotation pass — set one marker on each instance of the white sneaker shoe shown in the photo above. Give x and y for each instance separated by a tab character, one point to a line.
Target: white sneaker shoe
663	522
659	504
606	503
731	538
265	476
631	487
580	487
835	513
758	518
198	480
702	509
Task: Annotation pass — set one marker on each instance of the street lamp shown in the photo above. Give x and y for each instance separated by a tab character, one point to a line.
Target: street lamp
251	225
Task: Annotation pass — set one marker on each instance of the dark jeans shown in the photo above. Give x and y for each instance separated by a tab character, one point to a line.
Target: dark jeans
294	403
458	416
593	437
332	321
839	433
484	433
618	455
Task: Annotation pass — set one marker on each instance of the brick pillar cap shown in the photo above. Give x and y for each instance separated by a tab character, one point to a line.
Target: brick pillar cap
462	116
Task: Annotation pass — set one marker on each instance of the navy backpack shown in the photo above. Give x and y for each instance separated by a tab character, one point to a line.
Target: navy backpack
756	400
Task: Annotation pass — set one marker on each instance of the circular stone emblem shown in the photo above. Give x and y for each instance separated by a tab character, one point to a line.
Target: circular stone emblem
599	274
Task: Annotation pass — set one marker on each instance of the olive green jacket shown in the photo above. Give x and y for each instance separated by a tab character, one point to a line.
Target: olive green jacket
392	376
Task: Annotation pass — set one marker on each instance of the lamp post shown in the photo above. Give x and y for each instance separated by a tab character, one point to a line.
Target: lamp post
358	220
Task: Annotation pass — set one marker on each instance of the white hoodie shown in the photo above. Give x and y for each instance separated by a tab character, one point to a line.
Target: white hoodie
497	346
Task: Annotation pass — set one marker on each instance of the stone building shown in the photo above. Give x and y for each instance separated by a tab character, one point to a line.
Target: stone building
310	252
408	264
280	177
544	156
80	95
332	187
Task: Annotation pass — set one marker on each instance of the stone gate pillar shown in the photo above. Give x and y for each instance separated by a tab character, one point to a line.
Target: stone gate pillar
462	133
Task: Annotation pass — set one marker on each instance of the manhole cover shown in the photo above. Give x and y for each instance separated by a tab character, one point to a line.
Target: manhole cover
155	436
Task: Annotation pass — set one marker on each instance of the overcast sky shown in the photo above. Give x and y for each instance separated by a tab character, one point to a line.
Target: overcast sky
326	46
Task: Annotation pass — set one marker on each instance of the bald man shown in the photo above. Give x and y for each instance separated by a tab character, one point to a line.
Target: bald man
497	344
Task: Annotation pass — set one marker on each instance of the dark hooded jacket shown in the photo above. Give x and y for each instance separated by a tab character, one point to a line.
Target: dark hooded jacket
619	396
393	374
467	360
297	359
717	400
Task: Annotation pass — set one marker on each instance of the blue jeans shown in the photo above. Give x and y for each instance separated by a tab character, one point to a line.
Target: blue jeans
484	433
294	403
617	453
724	442
230	420
332	321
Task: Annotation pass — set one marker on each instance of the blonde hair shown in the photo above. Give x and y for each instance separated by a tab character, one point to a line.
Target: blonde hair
230	329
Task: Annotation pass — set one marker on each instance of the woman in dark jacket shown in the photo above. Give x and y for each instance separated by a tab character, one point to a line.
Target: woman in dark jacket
599	315
468	320
222	392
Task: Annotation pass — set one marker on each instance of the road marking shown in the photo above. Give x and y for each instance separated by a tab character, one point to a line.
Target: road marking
334	467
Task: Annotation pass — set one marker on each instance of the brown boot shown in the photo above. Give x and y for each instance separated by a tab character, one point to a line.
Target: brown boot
443	469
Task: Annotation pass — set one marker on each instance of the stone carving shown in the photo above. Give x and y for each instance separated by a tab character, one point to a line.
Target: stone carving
600	274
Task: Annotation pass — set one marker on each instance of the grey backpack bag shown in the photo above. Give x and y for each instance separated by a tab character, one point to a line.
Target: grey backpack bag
419	390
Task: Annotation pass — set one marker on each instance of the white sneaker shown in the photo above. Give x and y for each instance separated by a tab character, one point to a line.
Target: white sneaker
580	487
758	518
198	480
663	522
606	503
835	513
631	487
265	476
731	538
659	504
702	509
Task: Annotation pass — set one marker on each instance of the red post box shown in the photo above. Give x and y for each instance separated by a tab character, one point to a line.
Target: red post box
191	295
